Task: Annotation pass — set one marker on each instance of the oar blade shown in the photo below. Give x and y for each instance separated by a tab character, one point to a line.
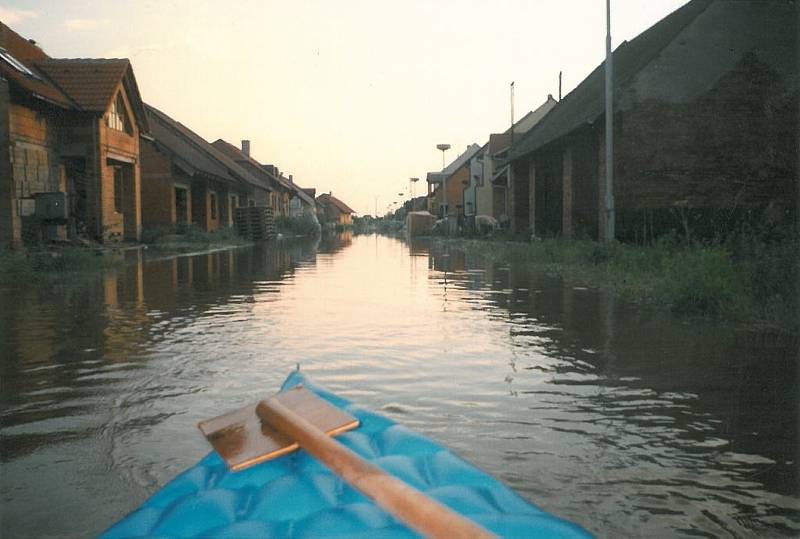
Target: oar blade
242	439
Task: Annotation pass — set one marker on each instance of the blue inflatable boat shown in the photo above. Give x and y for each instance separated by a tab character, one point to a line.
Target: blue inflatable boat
296	496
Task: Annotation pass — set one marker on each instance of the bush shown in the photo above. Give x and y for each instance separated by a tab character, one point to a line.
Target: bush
297	226
750	277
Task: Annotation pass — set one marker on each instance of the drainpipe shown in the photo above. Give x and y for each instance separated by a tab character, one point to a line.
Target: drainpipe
98	174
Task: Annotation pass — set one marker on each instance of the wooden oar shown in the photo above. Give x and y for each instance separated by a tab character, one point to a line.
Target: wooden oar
277	425
422	513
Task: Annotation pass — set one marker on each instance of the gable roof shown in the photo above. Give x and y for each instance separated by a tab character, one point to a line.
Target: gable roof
327	198
84	84
457	163
191	152
587	101
92	82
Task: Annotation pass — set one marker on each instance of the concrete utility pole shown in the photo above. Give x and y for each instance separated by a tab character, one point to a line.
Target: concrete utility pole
443	148
609	130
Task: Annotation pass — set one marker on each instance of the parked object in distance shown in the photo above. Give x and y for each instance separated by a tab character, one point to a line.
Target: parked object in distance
296	496
419	223
485	224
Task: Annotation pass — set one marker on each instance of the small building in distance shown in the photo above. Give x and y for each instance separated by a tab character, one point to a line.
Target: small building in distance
705	131
69	130
301	203
187	180
333	212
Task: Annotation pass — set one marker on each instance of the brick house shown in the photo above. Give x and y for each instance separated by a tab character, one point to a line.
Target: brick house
334	212
705	127
453	177
71	129
187	180
280	189
488	188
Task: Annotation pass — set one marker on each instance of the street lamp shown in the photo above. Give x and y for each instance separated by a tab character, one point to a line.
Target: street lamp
443	148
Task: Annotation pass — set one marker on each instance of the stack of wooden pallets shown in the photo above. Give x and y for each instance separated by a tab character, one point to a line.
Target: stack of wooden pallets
254	222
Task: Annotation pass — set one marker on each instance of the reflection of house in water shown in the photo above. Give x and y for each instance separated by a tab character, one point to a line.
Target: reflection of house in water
333	242
637	365
419	247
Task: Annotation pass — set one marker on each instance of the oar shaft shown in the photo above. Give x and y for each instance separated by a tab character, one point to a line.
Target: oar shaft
422	513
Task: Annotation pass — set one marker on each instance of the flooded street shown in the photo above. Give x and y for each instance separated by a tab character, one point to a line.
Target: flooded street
629	422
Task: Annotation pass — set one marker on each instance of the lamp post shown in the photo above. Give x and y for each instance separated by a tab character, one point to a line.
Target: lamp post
443	148
411	183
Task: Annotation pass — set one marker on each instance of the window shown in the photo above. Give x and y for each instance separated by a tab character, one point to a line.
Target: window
117	117
181	205
213	199
118	183
16	64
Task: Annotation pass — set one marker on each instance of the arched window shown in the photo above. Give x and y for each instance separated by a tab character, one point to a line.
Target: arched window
117	117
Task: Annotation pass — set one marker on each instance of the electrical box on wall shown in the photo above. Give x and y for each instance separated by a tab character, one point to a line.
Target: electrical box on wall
51	206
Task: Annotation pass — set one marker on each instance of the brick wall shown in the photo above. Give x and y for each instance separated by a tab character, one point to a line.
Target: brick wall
9	233
730	149
158	207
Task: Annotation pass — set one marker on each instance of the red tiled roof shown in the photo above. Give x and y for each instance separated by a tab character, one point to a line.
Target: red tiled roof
327	198
21	48
26	53
91	83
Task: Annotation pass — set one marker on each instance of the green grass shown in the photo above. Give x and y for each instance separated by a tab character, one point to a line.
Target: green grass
746	279
189	237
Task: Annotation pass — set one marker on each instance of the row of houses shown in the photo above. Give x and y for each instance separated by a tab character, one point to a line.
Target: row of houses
705	134
84	156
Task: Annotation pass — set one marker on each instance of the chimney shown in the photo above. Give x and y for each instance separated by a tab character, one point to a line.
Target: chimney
246	147
291	178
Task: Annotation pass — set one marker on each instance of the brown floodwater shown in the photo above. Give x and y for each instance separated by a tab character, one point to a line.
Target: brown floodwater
629	421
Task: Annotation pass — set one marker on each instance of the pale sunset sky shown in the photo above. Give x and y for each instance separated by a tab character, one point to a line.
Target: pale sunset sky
348	96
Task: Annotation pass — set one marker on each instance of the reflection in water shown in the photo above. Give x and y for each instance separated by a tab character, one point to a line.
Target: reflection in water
628	421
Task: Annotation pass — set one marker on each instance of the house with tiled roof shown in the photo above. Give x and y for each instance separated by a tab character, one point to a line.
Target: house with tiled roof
281	190
487	192
187	180
69	130
452	179
705	131
333	212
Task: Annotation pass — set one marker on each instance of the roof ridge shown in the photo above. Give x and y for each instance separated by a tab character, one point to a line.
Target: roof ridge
661	32
189	135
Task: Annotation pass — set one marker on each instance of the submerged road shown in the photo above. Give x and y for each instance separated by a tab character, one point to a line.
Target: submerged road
629	422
